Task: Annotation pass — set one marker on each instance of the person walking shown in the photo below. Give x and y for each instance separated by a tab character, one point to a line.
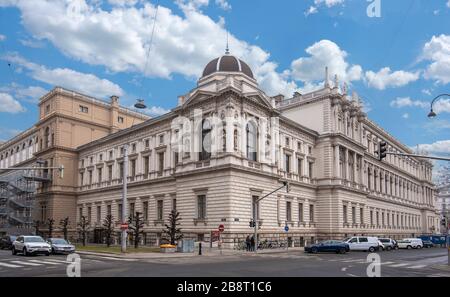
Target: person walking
248	243
252	243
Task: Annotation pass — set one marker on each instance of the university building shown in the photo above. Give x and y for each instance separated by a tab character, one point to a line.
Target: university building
225	145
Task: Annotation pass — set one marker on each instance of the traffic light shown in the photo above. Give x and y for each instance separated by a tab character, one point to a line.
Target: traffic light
252	224
288	188
382	148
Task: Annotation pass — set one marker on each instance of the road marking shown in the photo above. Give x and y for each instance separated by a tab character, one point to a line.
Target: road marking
344	269
353	260
387	263
45	262
58	261
9	265
399	265
352	275
116	259
25	263
416	267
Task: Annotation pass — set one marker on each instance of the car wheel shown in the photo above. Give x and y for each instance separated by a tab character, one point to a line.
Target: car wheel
342	251
409	247
371	249
25	252
314	250
419	247
14	252
47	254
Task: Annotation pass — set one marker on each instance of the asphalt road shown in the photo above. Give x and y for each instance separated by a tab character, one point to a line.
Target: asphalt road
402	263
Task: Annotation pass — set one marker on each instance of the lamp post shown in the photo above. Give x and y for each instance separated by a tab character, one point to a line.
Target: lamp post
139	105
432	114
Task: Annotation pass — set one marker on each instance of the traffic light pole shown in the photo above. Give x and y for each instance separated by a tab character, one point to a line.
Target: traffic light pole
255	235
419	156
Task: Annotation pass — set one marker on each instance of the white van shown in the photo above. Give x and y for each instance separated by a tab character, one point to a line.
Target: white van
410	243
363	243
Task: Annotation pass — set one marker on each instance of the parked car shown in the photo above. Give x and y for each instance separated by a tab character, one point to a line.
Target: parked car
387	244
410	243
31	245
61	246
7	242
335	246
363	243
427	244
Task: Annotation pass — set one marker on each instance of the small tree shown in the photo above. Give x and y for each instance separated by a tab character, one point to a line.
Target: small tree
50	223
108	225
172	231
37	225
64	223
136	224
83	229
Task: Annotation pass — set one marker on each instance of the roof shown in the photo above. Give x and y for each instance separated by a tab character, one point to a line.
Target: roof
227	63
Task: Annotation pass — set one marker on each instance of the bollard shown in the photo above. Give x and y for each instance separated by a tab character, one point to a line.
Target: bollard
200	249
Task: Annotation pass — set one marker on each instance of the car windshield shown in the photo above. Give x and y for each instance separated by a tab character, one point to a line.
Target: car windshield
384	240
34	239
13	238
59	241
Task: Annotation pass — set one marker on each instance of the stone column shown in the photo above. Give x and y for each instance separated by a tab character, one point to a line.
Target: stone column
337	168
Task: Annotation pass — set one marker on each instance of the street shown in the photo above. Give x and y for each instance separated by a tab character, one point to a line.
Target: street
400	263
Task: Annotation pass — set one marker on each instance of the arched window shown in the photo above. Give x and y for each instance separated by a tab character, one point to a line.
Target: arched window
252	141
235	139
205	154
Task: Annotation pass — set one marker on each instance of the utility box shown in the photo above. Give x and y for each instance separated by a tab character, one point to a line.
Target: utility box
185	246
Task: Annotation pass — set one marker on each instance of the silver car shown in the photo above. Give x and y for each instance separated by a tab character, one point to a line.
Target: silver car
30	245
61	246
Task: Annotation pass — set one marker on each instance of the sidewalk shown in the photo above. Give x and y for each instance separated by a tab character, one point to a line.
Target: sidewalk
206	252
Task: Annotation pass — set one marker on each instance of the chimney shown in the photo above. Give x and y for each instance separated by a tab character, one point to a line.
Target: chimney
278	98
180	100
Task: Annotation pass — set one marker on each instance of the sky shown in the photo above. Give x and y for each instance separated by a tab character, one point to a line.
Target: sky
394	54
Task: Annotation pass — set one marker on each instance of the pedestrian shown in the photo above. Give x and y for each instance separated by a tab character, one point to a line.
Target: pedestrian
248	243
252	243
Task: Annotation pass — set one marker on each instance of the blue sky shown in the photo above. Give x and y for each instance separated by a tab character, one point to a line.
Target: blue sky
396	62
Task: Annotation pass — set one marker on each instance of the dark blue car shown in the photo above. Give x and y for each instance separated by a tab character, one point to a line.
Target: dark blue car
335	246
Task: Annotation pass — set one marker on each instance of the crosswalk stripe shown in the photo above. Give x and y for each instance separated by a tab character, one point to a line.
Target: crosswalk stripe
399	265
45	262
416	267
352	260
25	263
116	259
58	261
9	265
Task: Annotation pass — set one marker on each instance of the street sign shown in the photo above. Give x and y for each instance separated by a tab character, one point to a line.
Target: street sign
221	228
124	226
286	228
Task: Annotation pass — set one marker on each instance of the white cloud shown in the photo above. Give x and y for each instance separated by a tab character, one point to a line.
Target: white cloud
123	2
32	43
29	94
2	37
322	54
440	106
448	3
223	4
68	78
8	133
311	10
405	116
401	102
9	104
156	111
385	78
119	39
437	50
437	147
426	92
329	3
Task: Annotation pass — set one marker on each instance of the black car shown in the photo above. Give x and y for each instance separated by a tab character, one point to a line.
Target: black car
7	241
427	244
335	246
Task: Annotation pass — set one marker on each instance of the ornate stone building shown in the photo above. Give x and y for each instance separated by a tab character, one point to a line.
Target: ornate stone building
226	144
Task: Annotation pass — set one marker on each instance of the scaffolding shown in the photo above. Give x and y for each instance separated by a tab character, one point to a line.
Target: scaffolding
18	199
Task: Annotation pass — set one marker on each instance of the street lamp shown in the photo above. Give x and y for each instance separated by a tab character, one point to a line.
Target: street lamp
139	105
432	114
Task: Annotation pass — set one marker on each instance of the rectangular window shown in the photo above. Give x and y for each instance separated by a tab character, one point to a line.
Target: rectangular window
147	143
287	141
160	163
160	210
100	157
84	109
344	210
353	215
133	168
201	207
311	174
299	167
100	174
89	214
132	210
81	178
120	120
80	212
300	212
90	177
145	210
110	155
311	213
288	211
146	165
121	171
371	217
110	172
99	214
287	166
176	158
161	139
108	209
174	204
255	205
